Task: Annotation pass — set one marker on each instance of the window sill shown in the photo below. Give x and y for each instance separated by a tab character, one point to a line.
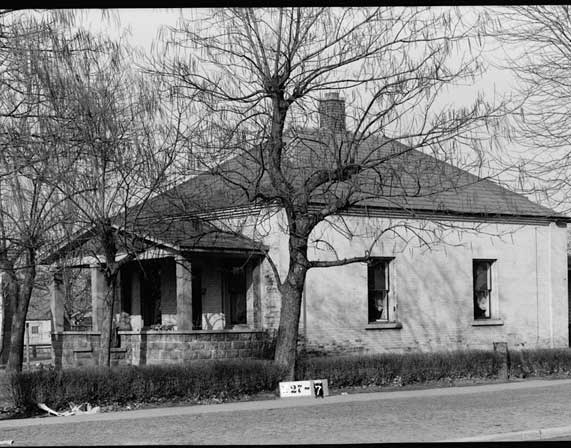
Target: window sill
487	322
383	326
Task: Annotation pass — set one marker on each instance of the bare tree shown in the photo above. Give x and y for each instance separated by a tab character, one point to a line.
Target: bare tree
536	40
115	153
29	138
28	205
255	77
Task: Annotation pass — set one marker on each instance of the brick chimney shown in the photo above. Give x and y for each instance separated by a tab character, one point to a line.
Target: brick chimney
332	112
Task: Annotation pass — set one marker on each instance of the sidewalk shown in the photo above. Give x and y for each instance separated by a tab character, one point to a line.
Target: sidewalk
277	403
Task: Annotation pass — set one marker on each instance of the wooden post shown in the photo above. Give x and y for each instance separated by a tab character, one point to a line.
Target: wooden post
57	302
183	294
98	296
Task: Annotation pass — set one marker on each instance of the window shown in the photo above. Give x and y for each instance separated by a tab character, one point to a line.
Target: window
482	273
380	307
35	329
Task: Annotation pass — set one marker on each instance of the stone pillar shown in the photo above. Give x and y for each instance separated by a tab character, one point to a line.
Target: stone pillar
118	296
57	298
501	348
98	296
253	312
183	294
136	316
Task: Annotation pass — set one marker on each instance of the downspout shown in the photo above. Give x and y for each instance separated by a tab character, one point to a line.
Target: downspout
304	300
536	286
550	286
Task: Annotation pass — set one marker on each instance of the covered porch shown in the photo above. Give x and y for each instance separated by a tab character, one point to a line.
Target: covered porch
172	304
189	292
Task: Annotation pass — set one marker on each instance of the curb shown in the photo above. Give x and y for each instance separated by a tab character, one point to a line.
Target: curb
530	434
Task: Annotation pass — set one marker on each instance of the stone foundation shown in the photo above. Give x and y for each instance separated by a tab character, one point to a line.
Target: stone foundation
79	349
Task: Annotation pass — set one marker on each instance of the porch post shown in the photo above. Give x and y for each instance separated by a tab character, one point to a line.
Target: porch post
136	316
183	294
57	301
98	296
253	313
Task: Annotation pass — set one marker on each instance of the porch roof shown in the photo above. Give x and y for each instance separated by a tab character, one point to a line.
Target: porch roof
190	234
176	234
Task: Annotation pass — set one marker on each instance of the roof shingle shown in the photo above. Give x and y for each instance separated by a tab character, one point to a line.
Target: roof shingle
407	179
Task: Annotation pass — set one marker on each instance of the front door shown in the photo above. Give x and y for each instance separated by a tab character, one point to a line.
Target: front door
151	294
235	296
196	298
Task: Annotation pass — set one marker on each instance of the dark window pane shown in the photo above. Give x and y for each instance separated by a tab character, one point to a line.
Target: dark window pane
481	276
378	284
482	289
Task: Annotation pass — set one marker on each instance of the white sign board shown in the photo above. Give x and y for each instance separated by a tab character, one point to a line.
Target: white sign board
311	388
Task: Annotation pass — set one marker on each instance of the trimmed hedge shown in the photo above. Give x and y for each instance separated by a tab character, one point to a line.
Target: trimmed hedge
400	369
540	362
233	379
143	384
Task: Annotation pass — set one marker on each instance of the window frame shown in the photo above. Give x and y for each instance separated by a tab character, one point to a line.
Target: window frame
478	313
389	299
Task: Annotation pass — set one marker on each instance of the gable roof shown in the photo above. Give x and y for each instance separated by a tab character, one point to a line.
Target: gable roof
189	235
406	180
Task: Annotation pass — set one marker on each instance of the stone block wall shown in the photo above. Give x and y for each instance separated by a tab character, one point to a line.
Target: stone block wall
177	347
81	349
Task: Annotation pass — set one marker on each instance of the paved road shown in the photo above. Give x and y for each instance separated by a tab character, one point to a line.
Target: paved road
406	416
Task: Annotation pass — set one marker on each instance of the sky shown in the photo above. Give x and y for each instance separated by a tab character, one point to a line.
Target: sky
144	24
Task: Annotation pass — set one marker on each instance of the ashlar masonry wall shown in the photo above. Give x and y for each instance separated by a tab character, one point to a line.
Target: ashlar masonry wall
81	349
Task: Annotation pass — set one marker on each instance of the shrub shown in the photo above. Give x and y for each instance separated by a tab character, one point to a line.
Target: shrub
122	385
540	362
232	379
408	368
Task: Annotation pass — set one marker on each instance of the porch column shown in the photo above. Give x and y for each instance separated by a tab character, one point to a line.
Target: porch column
136	317
118	296
183	294
57	301
98	296
253	314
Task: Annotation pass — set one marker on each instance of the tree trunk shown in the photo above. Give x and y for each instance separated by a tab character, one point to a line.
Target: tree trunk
107	324
8	307
16	353
292	293
108	242
286	343
23	294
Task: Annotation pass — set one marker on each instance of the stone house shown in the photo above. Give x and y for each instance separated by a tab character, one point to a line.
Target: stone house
455	262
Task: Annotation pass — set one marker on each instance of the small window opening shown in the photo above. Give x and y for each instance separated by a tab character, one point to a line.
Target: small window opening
482	271
378	285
